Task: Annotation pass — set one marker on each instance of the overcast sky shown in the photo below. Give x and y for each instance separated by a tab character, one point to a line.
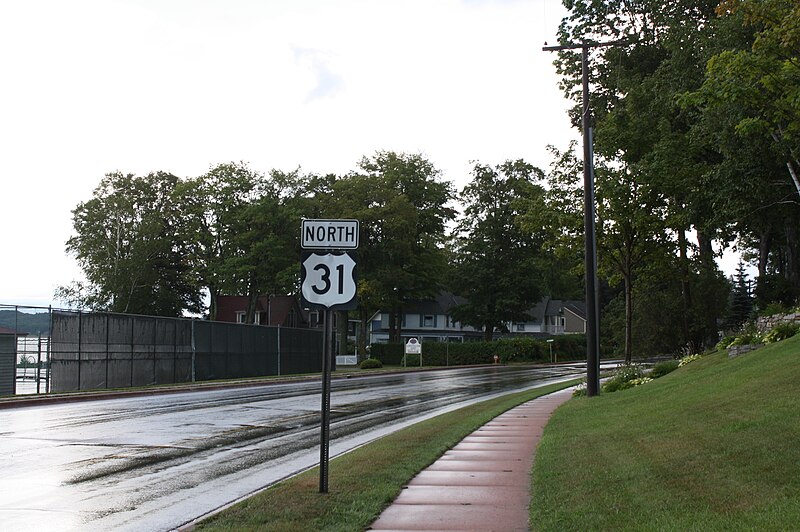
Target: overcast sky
90	87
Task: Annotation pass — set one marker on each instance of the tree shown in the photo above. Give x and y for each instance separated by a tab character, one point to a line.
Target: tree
630	227
641	127
495	257
766	78
402	207
558	222
215	202
245	229
752	91
266	241
630	230
409	210
741	302
131	245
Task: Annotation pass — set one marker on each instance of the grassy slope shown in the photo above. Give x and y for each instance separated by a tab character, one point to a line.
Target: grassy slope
714	445
366	480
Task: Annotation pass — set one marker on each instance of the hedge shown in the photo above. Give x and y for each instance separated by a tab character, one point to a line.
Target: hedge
566	347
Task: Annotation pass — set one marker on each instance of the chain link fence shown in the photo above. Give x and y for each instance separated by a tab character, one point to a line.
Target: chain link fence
24	349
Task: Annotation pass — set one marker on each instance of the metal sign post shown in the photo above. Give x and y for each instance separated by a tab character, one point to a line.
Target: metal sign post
325	431
328	282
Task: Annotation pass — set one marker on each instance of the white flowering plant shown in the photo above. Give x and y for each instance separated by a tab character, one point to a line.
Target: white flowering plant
687	359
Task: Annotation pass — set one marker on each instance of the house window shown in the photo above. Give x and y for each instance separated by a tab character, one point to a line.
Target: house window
429	320
520	327
240	316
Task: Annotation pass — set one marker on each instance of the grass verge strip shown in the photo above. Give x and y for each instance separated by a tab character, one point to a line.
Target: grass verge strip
363	482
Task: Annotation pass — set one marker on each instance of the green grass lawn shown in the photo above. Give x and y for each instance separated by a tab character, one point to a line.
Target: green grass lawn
714	445
363	482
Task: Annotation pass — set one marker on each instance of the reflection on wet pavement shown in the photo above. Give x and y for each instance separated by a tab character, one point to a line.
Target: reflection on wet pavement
157	462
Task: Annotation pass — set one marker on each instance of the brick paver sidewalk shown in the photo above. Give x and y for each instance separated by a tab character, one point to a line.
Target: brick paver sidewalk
481	484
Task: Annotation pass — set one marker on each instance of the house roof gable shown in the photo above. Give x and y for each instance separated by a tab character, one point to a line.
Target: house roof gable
277	307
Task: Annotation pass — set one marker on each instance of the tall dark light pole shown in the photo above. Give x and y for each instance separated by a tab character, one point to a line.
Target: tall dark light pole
592	310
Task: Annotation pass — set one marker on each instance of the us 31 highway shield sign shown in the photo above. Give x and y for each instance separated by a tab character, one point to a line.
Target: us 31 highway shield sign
328	281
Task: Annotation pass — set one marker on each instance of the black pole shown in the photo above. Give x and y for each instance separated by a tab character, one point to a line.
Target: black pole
324	448
590	249
590	245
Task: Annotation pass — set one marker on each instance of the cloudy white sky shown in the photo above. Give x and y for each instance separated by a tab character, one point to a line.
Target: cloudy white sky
94	86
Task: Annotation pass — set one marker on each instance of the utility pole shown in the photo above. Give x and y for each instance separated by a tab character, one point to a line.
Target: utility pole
592	308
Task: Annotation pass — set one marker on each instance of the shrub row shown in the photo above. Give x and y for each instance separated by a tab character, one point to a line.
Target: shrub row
566	347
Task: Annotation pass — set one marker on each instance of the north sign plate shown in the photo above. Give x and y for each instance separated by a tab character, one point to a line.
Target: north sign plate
329	234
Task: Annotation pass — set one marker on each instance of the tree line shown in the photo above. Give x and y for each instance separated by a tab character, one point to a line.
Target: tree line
697	137
696	122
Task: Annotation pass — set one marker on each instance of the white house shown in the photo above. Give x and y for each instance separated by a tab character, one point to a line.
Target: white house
427	320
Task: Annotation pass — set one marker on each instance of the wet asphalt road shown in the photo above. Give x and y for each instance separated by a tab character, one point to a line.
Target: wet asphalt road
160	461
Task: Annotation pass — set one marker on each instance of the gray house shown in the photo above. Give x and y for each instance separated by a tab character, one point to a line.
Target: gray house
553	317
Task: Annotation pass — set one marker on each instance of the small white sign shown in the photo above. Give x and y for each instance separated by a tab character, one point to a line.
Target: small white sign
329	234
413	347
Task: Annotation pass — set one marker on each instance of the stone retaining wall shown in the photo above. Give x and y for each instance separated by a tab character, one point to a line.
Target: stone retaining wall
767	323
738	350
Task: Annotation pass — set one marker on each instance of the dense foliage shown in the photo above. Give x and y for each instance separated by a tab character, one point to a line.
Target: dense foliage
695	120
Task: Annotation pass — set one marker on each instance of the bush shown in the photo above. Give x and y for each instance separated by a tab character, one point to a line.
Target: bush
611	385
412	361
726	342
775	307
370	363
622	378
662	368
747	338
782	331
389	354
